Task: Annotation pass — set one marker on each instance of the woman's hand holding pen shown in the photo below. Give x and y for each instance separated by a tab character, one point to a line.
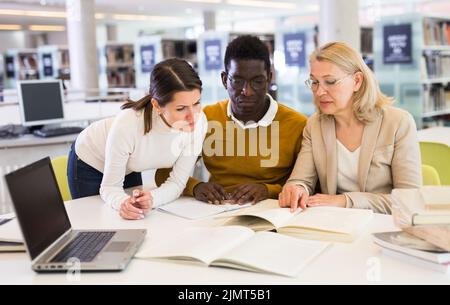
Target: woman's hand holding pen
135	207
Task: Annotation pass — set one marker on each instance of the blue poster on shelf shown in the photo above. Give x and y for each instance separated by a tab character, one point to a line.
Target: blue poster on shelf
213	52
9	65
294	49
397	40
147	58
48	64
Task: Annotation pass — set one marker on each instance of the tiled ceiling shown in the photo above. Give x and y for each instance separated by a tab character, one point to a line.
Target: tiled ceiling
189	12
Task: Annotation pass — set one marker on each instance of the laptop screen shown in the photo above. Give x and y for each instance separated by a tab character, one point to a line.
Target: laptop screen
38	204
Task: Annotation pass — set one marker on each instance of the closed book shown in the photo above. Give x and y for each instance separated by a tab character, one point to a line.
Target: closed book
11	247
406	243
436	197
10	232
441	268
409	209
436	235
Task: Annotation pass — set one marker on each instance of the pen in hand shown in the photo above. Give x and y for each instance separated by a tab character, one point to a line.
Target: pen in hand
142	200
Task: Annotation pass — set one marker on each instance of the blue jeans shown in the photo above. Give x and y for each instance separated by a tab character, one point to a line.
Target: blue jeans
84	180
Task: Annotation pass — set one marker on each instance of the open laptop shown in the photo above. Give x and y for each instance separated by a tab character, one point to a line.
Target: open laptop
51	242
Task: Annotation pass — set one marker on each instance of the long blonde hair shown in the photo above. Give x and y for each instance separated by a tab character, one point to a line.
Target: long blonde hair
369	99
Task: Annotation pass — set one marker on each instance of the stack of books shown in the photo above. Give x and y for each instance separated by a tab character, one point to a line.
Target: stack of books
409	248
424	217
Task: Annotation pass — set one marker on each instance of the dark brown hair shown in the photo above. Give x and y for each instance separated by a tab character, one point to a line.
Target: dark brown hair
167	78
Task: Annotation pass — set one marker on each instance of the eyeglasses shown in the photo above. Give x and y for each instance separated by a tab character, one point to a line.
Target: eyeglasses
326	84
257	83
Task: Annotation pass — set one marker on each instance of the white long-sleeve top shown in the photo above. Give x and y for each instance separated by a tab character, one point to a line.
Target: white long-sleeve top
117	146
347	169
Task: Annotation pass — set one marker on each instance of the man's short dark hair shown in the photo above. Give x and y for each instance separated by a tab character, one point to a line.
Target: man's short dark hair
247	47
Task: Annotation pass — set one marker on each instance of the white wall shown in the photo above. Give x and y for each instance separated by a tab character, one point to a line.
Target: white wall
57	38
12	40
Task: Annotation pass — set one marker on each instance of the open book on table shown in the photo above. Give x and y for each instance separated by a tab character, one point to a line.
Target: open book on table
319	223
239	248
190	208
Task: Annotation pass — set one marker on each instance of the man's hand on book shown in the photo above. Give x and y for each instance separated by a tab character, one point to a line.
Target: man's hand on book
212	193
253	192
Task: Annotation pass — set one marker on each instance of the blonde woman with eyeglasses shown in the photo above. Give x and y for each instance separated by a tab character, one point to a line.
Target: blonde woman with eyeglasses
357	147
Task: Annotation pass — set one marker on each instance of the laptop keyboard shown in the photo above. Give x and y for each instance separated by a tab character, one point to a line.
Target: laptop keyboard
84	247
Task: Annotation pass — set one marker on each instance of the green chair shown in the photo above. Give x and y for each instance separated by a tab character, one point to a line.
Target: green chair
437	155
59	165
430	175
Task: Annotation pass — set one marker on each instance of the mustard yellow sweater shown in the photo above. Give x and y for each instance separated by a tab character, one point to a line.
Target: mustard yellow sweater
236	156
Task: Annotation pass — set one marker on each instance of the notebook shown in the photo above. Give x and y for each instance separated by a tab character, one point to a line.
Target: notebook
441	268
409	209
238	248
436	197
12	247
190	208
11	239
319	223
10	232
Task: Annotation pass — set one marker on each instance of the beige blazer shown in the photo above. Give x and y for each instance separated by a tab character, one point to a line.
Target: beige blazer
389	158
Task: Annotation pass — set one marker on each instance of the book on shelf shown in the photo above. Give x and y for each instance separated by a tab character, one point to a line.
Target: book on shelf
236	247
119	54
436	32
437	64
190	208
410	209
319	223
436	98
446	30
367	40
64	58
121	77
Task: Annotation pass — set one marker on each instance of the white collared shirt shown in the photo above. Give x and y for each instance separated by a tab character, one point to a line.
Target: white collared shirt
266	120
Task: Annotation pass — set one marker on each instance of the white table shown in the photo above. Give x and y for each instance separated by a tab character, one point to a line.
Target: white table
435	134
73	112
358	263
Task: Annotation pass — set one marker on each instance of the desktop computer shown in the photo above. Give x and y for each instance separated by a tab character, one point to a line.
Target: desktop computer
41	105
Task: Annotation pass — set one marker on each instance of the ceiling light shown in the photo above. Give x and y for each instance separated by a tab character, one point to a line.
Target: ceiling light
10	27
204	1
51	14
47	28
263	4
126	17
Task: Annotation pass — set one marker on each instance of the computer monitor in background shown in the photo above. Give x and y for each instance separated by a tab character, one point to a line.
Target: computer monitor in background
41	102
